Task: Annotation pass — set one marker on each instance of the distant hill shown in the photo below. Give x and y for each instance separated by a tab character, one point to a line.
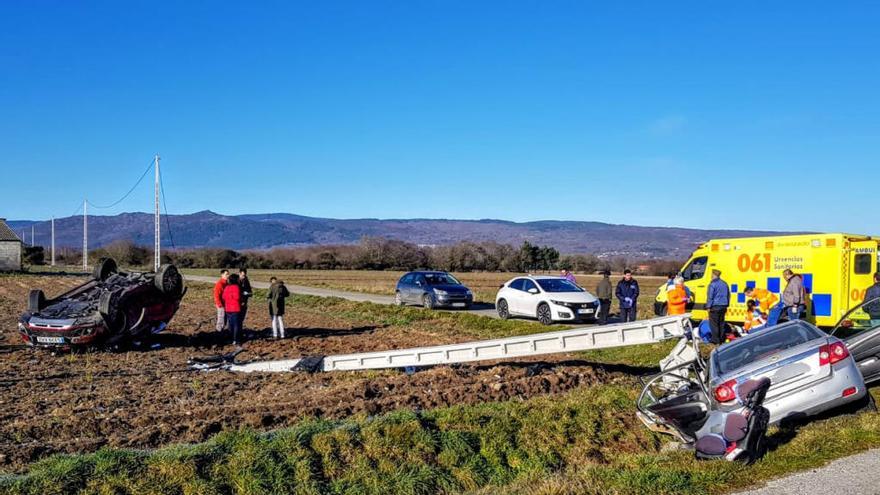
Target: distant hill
209	229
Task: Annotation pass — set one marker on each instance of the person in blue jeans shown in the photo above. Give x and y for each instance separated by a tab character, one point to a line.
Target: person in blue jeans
717	302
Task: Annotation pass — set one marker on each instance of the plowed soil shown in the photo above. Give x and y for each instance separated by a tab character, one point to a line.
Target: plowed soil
144	398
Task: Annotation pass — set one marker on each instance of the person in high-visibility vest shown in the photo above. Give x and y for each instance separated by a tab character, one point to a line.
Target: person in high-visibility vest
677	298
765	298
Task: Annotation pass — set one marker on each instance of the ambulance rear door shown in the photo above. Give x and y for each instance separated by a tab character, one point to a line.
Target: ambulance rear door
862	259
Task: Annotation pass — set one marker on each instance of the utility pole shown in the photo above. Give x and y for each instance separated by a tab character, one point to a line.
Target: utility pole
33	243
85	235
53	241
158	244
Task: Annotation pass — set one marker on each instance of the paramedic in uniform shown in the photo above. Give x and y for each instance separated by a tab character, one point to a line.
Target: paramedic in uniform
717	301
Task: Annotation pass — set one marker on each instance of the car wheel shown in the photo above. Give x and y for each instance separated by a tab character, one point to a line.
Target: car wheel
428	301
398	299
545	314
169	281
865	404
503	310
36	300
104	268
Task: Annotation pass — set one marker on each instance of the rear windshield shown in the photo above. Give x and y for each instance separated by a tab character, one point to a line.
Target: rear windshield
441	279
558	285
762	345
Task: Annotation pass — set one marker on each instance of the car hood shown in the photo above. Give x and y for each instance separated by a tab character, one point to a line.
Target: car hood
571	297
450	288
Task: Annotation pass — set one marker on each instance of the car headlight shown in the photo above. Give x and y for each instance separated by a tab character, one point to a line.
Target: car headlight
440	292
560	303
468	293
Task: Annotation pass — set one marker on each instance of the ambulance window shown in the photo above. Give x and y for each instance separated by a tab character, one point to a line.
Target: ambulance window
695	269
862	265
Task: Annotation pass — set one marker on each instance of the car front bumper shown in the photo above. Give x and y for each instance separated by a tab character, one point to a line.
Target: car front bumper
453	300
61	333
575	311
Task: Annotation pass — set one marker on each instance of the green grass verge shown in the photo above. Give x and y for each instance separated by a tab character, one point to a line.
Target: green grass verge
585	442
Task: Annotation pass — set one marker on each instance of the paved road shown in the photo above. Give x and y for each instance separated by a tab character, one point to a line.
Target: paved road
855	475
478	309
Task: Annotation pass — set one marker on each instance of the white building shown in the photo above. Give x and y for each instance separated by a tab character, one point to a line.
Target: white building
10	249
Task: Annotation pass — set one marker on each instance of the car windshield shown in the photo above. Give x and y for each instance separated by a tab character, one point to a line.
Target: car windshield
763	344
558	285
441	279
864	317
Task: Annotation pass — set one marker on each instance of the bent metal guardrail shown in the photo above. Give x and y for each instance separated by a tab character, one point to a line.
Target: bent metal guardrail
579	339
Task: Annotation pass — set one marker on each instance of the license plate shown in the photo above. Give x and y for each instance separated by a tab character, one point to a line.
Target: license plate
585	311
50	340
458	305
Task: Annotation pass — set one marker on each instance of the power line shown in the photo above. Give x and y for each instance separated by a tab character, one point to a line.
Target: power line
120	200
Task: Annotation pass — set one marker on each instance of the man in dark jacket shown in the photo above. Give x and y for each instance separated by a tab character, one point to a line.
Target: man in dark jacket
717	301
246	293
603	292
628	296
873	294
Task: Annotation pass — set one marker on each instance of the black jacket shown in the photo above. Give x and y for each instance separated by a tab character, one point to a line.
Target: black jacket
246	290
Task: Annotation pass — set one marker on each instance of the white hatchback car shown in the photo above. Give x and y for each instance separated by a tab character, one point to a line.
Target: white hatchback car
546	298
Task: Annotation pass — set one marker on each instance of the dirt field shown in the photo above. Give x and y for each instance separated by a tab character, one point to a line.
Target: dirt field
80	402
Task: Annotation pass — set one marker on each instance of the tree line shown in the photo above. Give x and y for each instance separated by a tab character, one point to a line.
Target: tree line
371	253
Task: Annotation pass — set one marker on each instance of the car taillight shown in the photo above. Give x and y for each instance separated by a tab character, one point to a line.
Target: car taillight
832	353
849	391
724	392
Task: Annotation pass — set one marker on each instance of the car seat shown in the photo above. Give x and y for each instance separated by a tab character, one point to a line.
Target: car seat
738	436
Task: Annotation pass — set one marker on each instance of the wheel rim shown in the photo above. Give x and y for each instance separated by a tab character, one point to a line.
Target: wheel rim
398	300
502	309
427	301
544	315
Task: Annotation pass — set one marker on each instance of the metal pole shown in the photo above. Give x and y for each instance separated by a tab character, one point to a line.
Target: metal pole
53	241
33	243
85	235
158	244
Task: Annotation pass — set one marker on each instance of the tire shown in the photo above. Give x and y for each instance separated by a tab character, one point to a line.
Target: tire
36	300
169	281
545	314
503	309
428	301
104	268
398	299
866	404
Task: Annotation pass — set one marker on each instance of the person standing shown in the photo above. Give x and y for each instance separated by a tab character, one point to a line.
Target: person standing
278	293
794	297
232	305
246	292
678	298
603	292
628	296
218	300
873	294
567	275
717	301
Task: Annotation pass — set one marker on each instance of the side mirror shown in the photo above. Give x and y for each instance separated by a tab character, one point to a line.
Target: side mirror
533	291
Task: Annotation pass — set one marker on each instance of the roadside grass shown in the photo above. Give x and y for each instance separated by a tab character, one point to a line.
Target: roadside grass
583	442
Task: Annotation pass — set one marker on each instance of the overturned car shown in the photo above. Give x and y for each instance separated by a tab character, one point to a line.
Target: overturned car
108	310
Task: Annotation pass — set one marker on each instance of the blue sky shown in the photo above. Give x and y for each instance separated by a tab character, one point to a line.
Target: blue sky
743	114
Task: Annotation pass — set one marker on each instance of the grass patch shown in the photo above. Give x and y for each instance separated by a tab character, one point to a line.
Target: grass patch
585	442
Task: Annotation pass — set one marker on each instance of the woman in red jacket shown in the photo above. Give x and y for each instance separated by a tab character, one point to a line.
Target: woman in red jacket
232	305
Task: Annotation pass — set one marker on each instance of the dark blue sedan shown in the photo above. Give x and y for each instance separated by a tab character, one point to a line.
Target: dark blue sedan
432	290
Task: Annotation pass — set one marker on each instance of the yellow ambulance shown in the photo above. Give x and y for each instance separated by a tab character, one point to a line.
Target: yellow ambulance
836	270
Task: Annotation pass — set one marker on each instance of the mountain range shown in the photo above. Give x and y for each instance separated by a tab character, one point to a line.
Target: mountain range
263	231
